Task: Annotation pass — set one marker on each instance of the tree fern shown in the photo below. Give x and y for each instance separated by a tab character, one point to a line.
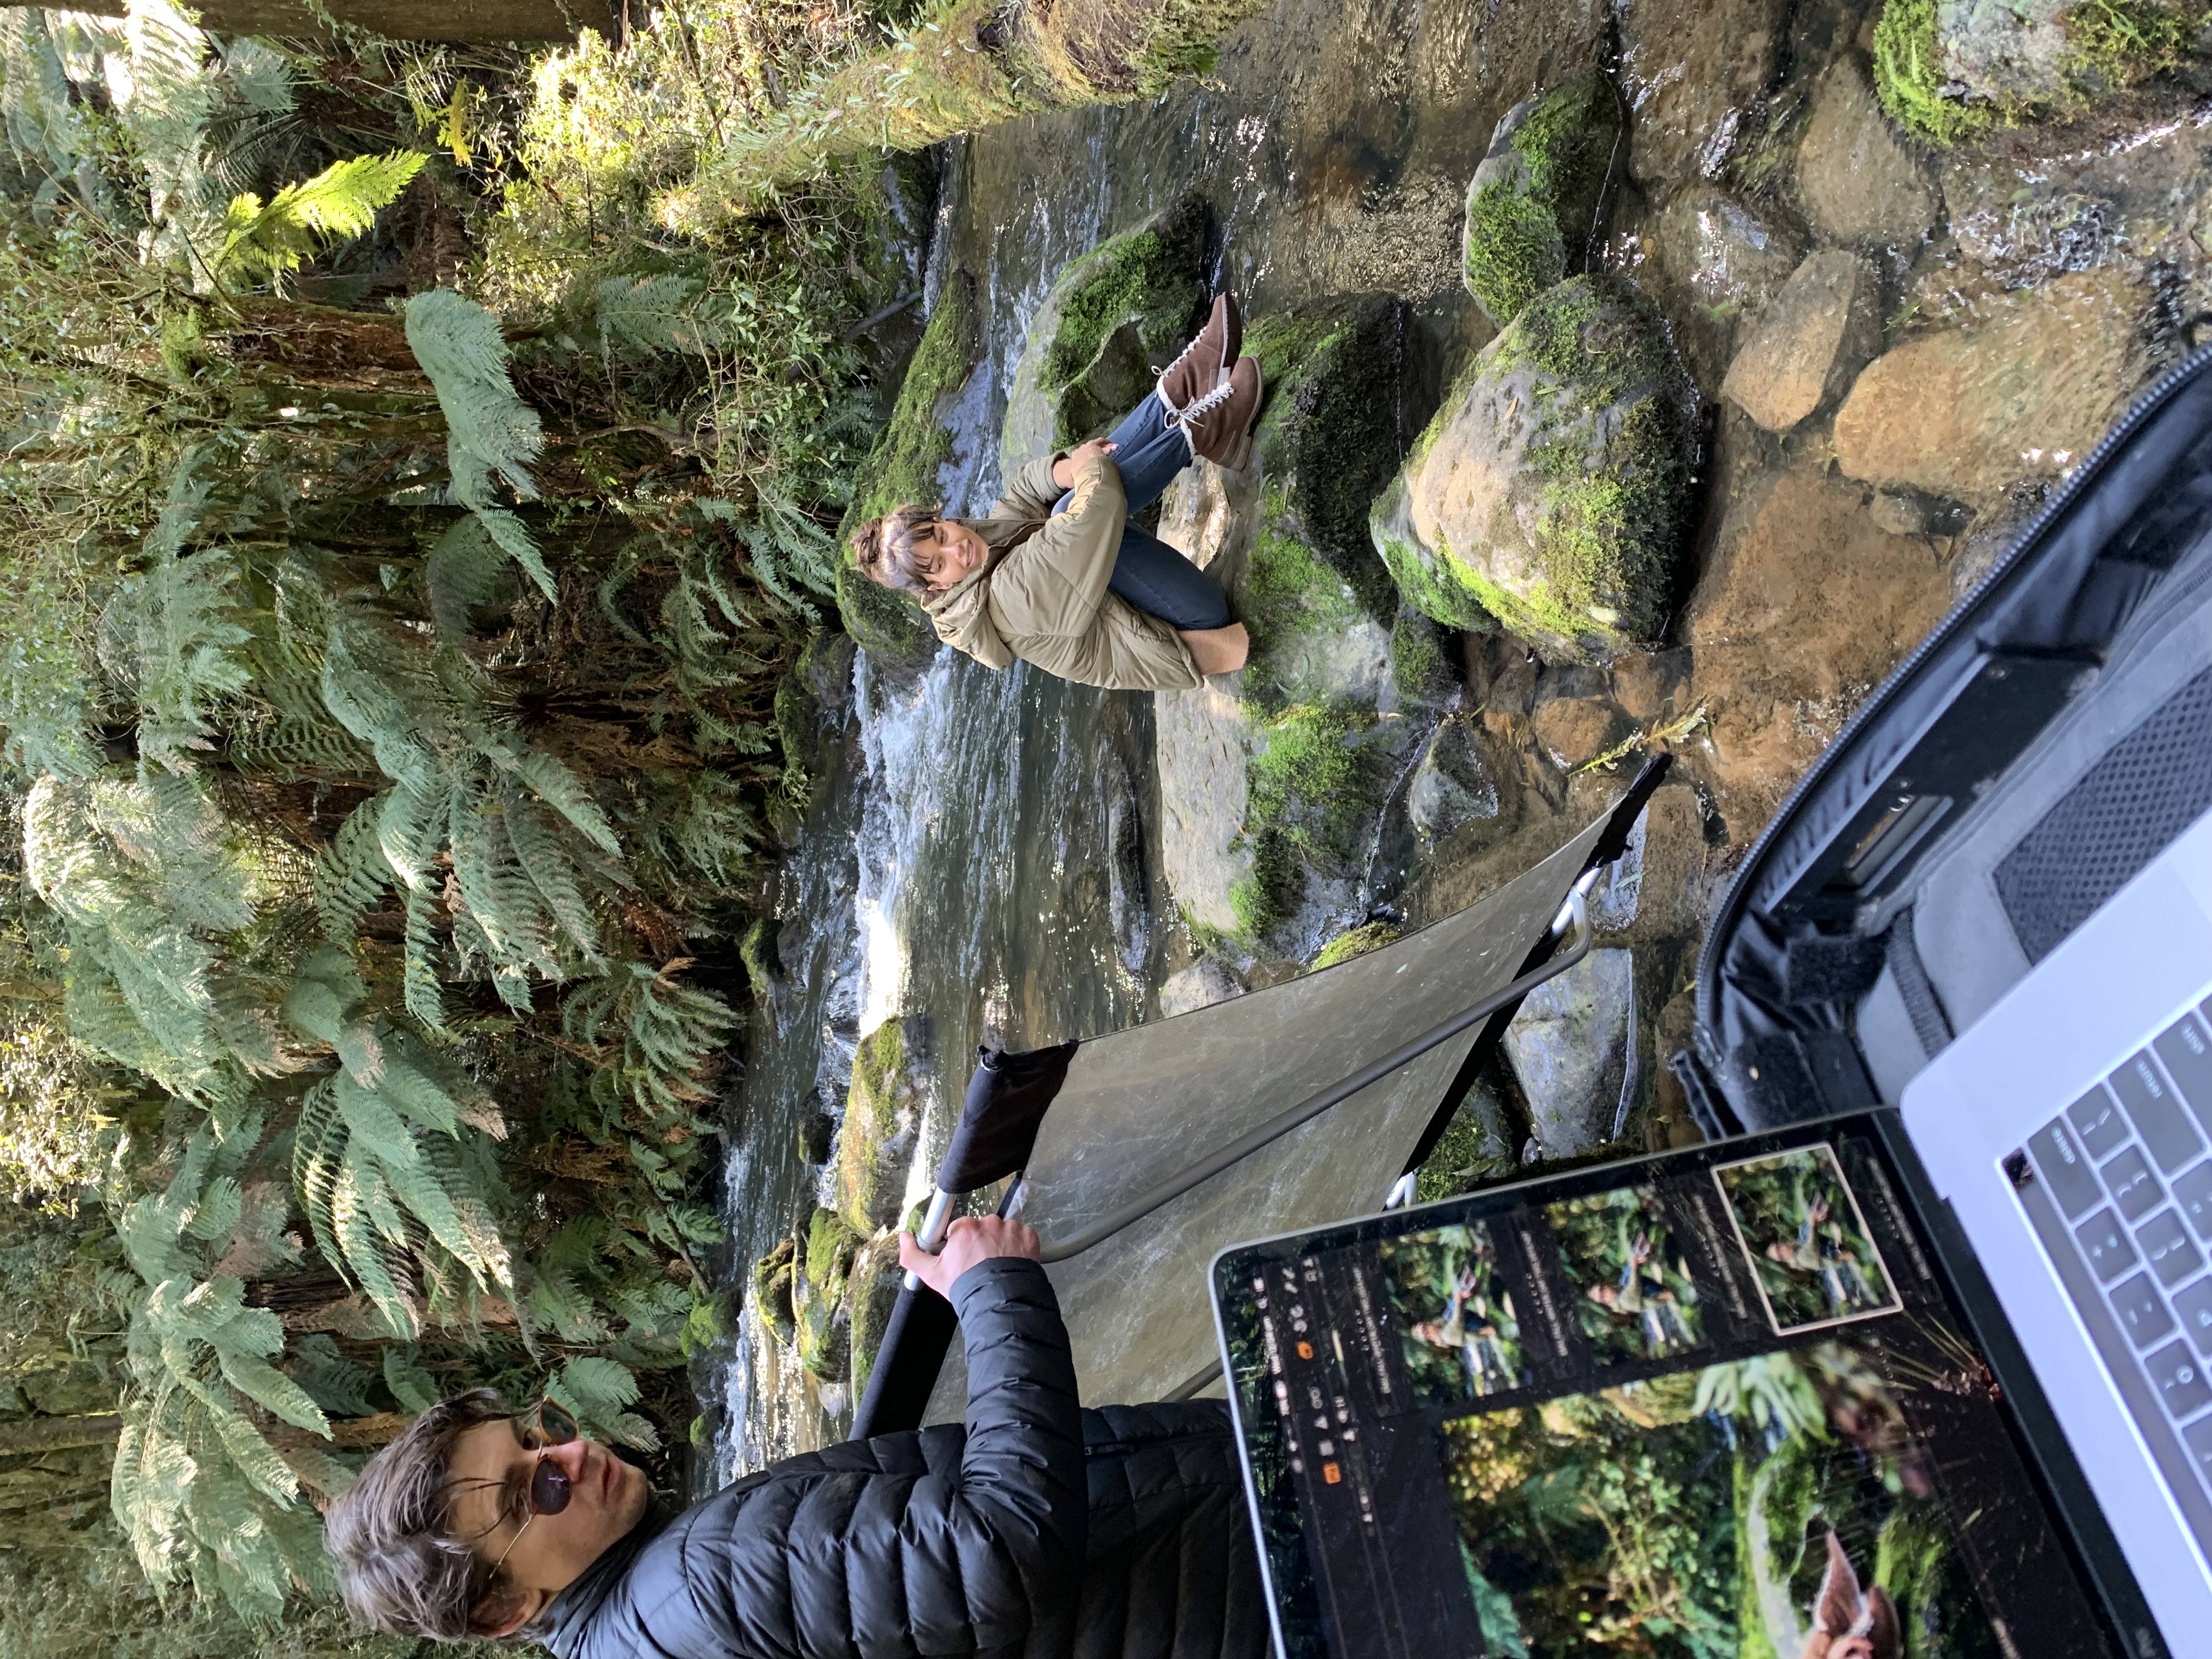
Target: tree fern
276	237
490	432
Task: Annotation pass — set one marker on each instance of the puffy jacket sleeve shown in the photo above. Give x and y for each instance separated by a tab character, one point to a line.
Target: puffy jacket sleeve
1031	493
1054	582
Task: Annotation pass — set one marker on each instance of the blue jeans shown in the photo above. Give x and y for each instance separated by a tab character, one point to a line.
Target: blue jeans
1148	573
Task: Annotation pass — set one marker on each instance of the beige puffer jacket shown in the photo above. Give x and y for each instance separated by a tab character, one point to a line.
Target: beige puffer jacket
1042	594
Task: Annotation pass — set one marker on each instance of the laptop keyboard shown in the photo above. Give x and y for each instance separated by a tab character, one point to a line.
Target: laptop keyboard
2129	1166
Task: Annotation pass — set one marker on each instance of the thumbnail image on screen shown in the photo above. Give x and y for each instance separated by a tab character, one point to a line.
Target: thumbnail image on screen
1805	1239
1769	1508
1634	1298
1457	1329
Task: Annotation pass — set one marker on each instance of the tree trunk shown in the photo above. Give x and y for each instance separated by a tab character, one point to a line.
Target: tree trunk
463	20
24	1436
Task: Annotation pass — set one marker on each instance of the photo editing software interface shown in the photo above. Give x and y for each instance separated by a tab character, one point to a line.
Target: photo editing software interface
1714	1403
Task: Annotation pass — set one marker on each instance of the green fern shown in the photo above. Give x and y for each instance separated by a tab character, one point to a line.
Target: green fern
276	237
488	430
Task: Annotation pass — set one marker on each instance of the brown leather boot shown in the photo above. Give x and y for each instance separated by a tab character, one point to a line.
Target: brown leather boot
1205	363
1218	425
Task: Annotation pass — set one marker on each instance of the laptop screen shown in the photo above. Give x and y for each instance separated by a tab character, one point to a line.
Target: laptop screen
1714	1403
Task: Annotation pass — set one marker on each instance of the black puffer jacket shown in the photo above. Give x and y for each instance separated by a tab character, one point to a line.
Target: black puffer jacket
1035	1530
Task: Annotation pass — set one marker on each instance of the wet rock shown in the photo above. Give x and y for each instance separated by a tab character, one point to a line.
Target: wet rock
1354	942
1569	1049
871	1292
1531	206
1657	895
1128	303
1691	67
1453	786
818	1134
905	467
1201	985
825	1257
2026	391
1645	683
1725	261
1200	747
1804	609
1857	181
775	1278
1810	343
1950	69
1421	654
2030	204
882	1114
1572	731
1898	513
1327	439
1551	491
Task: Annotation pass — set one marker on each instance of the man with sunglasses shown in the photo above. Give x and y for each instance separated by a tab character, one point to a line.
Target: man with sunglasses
1034	1528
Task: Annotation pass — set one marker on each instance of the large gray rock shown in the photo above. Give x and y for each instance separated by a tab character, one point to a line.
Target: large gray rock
1569	1049
2025	392
1200	985
1810	343
1858	182
1531	206
1725	261
1111	314
1551	492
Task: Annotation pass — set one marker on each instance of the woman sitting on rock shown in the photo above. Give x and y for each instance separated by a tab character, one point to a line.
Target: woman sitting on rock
1057	574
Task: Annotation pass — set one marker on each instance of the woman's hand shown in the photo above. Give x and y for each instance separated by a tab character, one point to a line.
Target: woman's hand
1064	469
969	1240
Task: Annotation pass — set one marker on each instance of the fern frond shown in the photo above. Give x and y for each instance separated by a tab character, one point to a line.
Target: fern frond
352	875
338	204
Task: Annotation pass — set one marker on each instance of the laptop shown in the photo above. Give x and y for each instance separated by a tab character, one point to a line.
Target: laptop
1927	1380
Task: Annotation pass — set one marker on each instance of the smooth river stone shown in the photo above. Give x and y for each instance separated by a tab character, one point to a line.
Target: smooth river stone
1810	342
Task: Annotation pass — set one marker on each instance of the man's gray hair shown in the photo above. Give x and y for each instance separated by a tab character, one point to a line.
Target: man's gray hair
400	1568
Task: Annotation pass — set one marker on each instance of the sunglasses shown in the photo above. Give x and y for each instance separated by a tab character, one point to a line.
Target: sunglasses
549	1488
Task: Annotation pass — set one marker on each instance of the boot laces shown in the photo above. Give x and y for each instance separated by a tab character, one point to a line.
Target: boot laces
1195	341
1198	407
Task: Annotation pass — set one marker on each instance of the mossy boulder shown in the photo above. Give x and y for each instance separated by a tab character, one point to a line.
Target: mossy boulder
826	1253
1551	493
871	1293
883	1115
1950	70
1327	440
1533	205
776	1278
906	467
1129	303
1354	942
1272	780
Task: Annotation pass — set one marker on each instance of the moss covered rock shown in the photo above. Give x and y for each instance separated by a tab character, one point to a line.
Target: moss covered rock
1129	303
1950	70
776	1278
826	1253
1328	440
1533	205
1552	491
1272	780
882	1114
871	1294
906	467
1354	942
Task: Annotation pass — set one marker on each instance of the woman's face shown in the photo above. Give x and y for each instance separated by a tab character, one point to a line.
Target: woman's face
950	554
